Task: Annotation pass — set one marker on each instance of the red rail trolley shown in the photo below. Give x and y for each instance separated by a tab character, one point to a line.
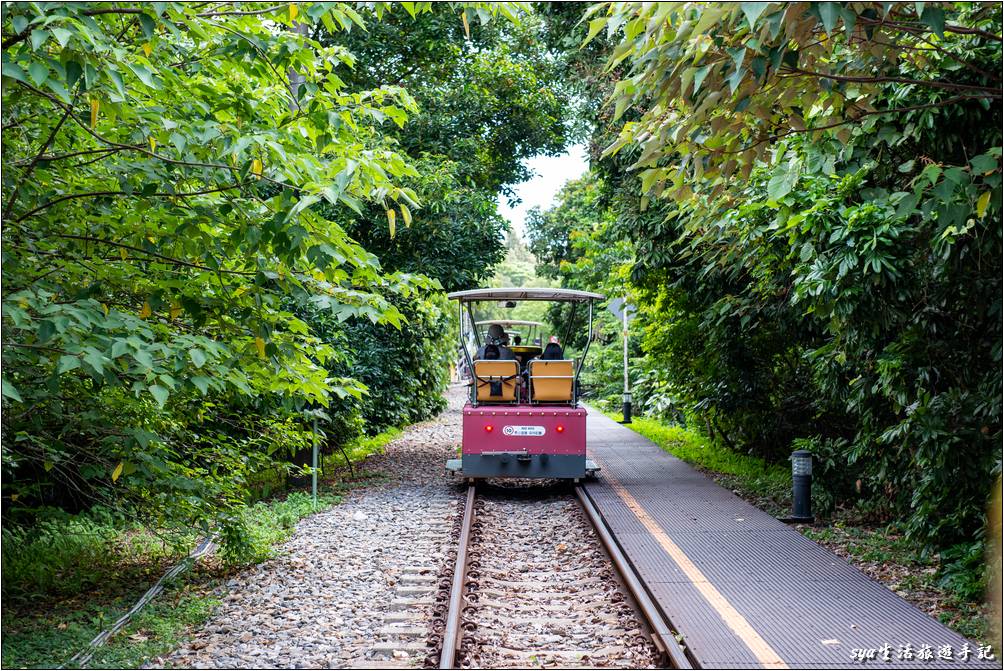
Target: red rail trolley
523	418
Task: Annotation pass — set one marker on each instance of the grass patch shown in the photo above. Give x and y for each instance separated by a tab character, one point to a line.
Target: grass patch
360	448
266	524
48	639
269	482
68	578
769	484
70	554
72	578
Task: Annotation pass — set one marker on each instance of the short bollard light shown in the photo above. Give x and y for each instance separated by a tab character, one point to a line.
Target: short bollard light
801	487
626	408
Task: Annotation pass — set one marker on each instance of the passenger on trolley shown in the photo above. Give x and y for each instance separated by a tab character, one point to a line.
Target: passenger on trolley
498	339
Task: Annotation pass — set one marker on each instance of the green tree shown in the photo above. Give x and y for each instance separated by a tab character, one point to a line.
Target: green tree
488	98
167	226
817	229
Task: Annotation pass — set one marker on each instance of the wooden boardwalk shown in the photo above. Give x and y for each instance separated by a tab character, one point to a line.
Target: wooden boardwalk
743	589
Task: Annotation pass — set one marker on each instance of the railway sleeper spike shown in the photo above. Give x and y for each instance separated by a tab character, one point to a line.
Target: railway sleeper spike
643	639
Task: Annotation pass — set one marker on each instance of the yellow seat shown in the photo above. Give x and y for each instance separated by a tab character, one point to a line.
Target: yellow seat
505	376
551	381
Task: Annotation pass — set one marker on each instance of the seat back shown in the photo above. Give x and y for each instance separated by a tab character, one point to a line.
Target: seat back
496	381
551	381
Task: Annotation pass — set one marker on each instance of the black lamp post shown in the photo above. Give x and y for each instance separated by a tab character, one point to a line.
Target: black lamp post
801	487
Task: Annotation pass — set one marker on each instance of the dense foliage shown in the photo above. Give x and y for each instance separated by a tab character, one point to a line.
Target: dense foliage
199	254
487	97
812	195
223	222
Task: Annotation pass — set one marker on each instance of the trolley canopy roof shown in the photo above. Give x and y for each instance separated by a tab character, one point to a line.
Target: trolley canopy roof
530	294
508	322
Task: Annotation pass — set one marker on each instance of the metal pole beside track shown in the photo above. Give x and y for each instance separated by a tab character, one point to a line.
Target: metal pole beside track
661	632
451	637
313	469
626	409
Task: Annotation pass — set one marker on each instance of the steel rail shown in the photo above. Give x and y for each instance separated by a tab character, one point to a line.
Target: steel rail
661	631
452	633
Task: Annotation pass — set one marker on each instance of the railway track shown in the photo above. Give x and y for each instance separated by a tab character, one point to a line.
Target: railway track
539	582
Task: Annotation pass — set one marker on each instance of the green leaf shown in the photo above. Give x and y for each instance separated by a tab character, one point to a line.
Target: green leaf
201	383
699	75
38	38
198	357
14	71
67	363
159	394
62	36
352	202
9	390
144	359
116	78
595	26
95	361
38	72
735	79
829	12
73	72
753	10
983	164
143	72
782	181
148	24
934	18
119	347
907	206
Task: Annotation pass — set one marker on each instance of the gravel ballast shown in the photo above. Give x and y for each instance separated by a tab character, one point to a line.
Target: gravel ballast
361	584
